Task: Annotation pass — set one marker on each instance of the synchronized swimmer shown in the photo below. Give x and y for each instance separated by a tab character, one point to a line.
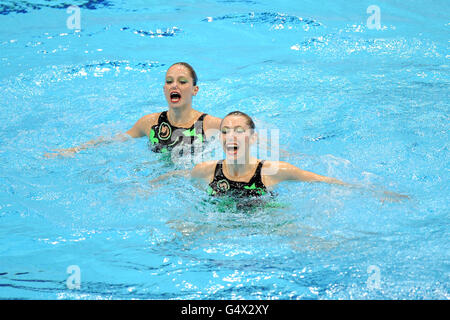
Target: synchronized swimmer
180	124
240	173
168	129
183	128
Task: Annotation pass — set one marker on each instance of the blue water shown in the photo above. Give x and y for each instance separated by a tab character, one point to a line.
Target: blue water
363	105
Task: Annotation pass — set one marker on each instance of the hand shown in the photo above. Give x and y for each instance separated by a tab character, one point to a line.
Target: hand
62	153
390	196
155	183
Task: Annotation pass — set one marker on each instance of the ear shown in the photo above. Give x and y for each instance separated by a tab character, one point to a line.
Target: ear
195	90
253	138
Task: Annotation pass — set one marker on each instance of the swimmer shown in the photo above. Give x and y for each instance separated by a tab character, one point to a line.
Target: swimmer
180	124
241	174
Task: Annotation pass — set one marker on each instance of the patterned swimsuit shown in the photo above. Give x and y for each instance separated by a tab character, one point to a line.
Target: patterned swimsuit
221	185
164	137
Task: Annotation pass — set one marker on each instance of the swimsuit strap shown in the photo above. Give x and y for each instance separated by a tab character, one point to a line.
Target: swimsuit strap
199	123
164	136
218	171
258	170
163	117
221	184
202	117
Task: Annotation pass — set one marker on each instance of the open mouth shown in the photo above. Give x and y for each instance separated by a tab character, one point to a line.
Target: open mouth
175	97
231	148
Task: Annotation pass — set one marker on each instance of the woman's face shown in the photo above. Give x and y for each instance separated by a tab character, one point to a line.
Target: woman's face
179	87
236	137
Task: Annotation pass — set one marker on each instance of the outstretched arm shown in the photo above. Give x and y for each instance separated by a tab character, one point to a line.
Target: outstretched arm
279	171
283	171
174	173
70	152
202	171
140	129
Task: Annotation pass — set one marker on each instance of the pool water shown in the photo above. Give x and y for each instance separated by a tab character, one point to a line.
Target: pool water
367	106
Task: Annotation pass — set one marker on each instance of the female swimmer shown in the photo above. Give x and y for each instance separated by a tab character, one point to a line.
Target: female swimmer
241	174
179	125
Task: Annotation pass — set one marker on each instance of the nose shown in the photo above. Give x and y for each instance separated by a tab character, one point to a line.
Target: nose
231	136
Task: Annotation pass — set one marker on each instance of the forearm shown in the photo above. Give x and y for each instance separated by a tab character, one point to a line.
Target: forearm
175	173
121	137
290	172
383	195
90	144
335	181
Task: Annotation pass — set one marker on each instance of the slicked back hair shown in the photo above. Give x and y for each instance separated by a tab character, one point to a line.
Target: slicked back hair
248	119
191	70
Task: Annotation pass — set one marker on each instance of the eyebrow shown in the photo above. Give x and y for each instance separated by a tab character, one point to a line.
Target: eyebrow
238	126
181	76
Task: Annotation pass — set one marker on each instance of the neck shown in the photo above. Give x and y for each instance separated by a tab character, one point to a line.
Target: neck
180	115
240	167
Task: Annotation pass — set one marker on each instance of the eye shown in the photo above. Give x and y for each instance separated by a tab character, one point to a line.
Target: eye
183	81
169	81
224	130
240	130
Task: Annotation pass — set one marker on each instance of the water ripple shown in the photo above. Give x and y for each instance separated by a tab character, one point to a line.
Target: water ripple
26	6
277	19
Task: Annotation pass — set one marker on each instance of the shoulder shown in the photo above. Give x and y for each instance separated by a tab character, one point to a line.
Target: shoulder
142	126
150	119
276	167
204	170
211	126
211	122
273	172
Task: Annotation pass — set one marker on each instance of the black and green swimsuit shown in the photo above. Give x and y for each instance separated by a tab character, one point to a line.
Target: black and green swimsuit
221	185
164	137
